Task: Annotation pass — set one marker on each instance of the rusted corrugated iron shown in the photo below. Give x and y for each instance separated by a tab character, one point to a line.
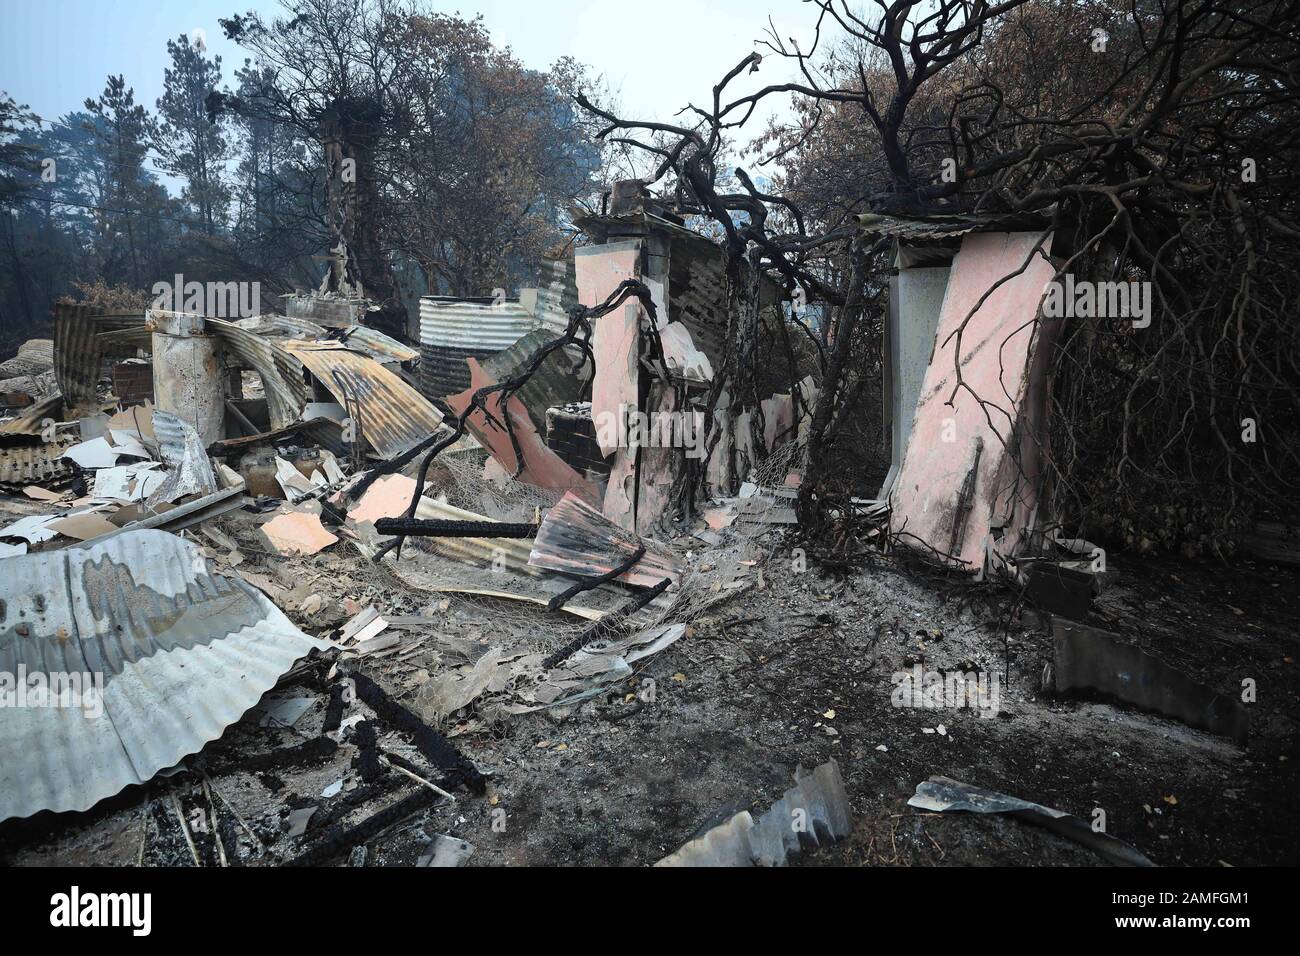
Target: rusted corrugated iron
556	381
394	416
76	355
380	347
28	424
33	464
281	373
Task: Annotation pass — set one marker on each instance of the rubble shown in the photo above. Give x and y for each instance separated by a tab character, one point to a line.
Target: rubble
344	585
146	638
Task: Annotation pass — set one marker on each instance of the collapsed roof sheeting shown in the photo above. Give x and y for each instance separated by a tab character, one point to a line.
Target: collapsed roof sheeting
28	425
281	373
34	357
188	470
377	345
76	355
939	226
394	416
556	381
576	539
34	464
182	653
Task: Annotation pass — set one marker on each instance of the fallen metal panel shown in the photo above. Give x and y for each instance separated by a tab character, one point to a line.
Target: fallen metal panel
380	347
285	326
577	540
556	381
181	653
942	794
76	355
184	516
188	470
814	812
394	416
34	464
34	357
282	380
28	424
1089	659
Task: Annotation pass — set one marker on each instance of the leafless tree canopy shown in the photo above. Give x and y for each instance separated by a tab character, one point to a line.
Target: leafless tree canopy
1159	139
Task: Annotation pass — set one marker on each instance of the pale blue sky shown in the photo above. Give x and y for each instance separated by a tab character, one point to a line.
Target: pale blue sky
658	54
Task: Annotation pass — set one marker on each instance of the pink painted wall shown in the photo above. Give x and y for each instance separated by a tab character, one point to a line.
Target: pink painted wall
996	346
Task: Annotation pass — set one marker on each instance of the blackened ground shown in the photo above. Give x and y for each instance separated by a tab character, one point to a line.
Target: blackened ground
794	674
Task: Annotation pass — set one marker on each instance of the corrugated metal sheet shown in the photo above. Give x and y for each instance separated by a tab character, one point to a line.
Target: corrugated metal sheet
286	326
34	464
698	297
76	355
443	370
116	321
576	539
324	308
556	381
454	329
394	416
380	347
188	470
473	325
182	653
34	357
942	227
818	800
123	338
29	422
558	292
282	379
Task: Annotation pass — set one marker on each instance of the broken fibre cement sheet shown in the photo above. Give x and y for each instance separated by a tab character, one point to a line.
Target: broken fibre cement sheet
996	346
163	655
542	466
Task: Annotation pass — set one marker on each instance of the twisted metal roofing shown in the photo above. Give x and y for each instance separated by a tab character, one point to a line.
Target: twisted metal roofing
180	653
394	416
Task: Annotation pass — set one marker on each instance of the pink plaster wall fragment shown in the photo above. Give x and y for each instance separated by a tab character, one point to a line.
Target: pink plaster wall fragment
542	466
996	348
